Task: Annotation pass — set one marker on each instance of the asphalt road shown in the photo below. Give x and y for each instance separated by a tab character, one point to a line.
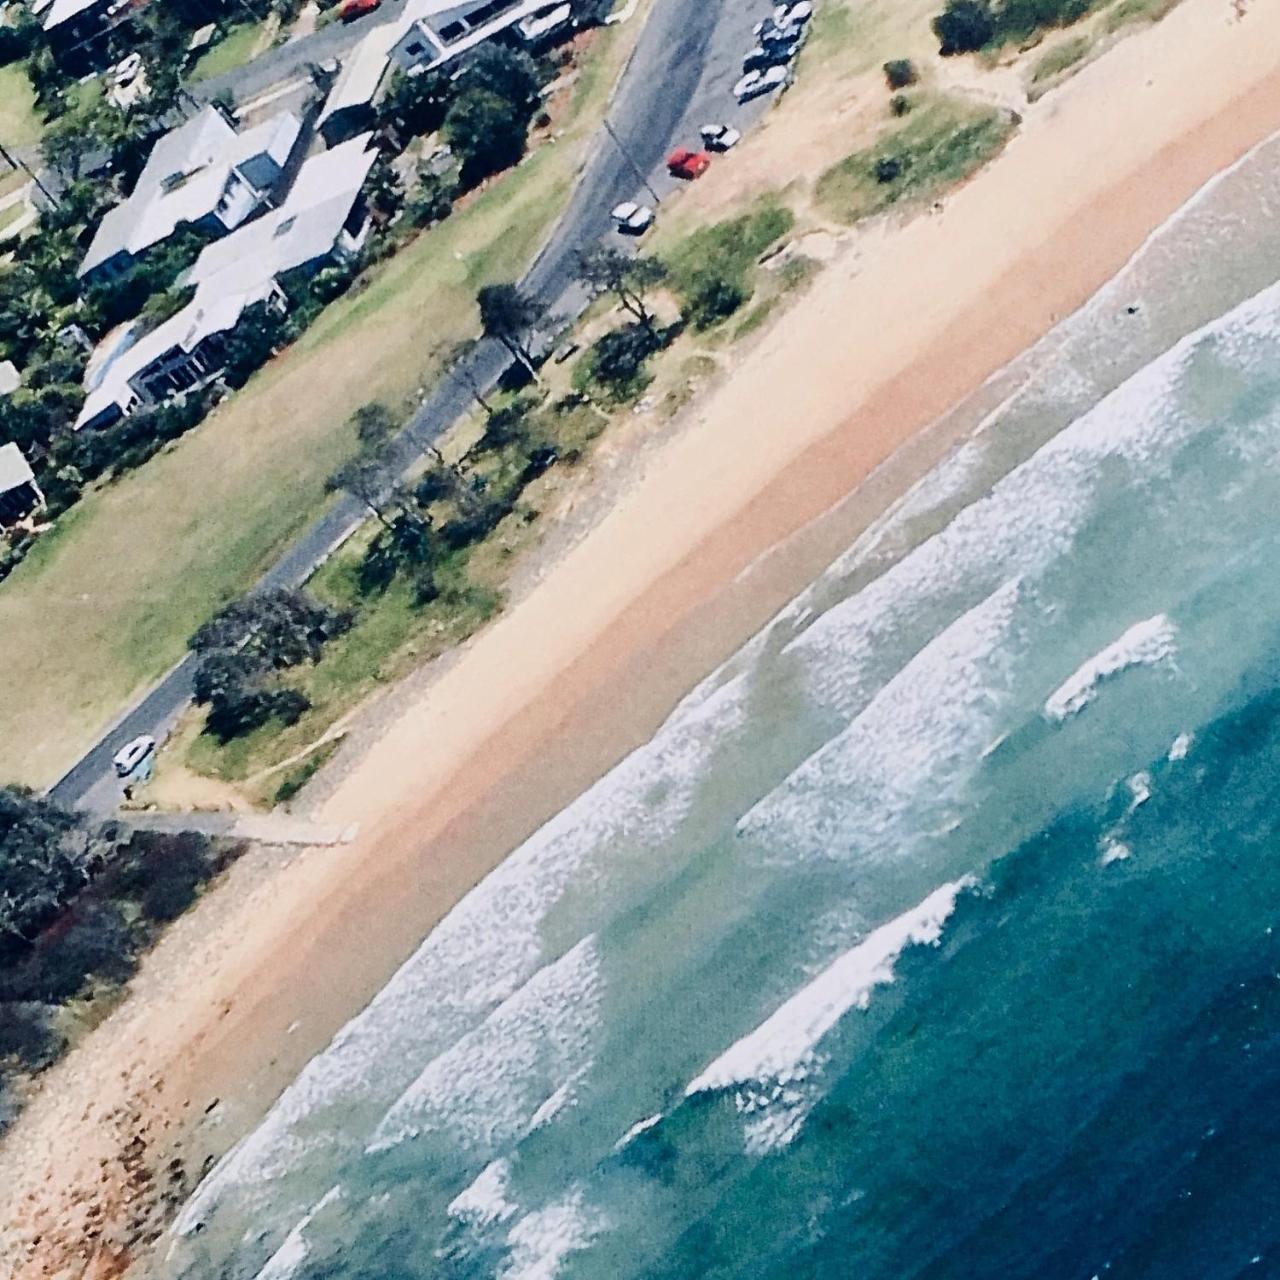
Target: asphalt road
680	77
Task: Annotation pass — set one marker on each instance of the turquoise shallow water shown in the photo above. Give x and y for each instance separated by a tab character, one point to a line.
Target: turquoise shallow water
933	936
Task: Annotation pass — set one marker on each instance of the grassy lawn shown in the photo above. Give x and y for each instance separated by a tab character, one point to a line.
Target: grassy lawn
941	142
242	42
1062	57
105	602
20	122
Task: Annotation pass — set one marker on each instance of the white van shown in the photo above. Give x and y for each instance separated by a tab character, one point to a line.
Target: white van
132	754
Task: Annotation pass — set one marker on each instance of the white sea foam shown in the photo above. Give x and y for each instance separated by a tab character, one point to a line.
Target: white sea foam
637	1129
782	1047
291	1255
541	1241
484	1203
519	1063
1114	850
1145	643
907	755
1180	747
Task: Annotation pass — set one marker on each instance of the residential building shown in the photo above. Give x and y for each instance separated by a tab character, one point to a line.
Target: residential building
19	493
441	30
202	173
77	32
10	378
430	34
323	220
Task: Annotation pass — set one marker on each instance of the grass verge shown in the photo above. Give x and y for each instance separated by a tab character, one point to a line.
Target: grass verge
942	142
20	122
1062	57
242	42
106	600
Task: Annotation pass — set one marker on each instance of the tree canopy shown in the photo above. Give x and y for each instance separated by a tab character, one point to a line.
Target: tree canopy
39	863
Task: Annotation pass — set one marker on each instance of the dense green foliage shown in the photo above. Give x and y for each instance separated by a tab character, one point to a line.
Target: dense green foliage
244	649
78	906
965	26
713	270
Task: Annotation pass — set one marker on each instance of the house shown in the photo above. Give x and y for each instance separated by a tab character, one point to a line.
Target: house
203	173
19	493
323	220
440	30
429	34
185	353
10	378
77	32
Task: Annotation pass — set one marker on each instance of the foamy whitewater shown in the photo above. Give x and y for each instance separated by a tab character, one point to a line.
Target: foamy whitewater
934	935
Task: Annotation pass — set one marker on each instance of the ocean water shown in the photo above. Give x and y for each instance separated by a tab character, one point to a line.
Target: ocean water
937	934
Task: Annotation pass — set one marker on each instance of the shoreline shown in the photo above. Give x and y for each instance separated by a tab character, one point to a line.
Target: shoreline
736	513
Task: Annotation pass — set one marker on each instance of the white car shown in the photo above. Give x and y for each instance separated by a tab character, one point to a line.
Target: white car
631	218
126	71
132	754
770	55
756	83
719	137
792	15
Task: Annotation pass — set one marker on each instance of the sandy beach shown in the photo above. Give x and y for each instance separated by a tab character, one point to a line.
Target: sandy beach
745	503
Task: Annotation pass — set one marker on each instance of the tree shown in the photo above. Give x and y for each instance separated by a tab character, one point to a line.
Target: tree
431	199
278	629
383	188
711	296
509	74
487	134
605	269
507	314
39	863
417	104
618	357
900	73
365	479
964	27
252	342
374	424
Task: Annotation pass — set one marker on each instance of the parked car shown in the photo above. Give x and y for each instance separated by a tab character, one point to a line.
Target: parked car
632	219
353	9
132	754
126	70
756	83
683	163
770	32
793	15
769	55
719	137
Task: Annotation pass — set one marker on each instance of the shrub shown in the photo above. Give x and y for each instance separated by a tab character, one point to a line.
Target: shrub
617	360
899	104
26	1036
712	297
965	26
95	945
888	168
900	73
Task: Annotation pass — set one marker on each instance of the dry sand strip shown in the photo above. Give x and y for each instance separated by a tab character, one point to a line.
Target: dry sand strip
671	581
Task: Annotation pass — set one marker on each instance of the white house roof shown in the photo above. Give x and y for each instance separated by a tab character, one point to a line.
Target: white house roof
302	229
62	10
10	378
200	318
362	72
184	177
15	471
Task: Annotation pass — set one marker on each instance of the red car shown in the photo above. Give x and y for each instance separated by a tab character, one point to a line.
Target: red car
353	9
687	164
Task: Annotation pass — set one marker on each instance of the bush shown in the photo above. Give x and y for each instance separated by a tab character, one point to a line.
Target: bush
26	1036
617	360
486	132
964	27
900	73
712	297
888	168
95	945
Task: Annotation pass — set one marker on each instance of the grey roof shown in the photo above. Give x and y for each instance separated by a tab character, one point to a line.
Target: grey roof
15	471
302	229
183	180
61	11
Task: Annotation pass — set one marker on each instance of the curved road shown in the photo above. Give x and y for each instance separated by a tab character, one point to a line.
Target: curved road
679	77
